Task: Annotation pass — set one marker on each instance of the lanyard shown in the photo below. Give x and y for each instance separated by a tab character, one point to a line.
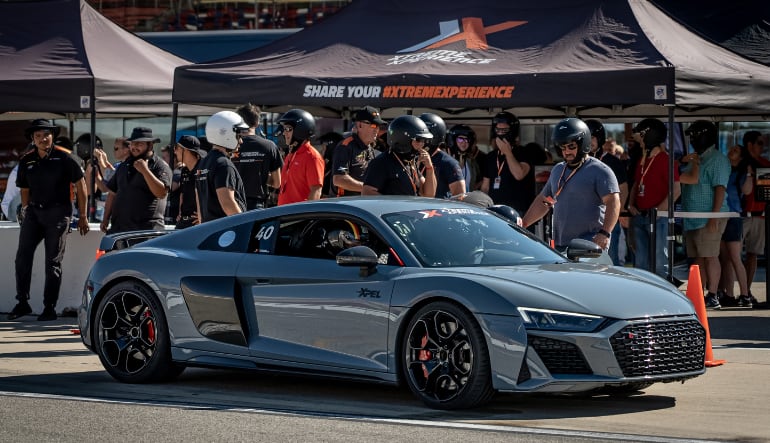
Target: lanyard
645	170
574	171
499	165
410	173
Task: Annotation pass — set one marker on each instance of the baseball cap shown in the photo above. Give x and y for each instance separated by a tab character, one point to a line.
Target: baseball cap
369	114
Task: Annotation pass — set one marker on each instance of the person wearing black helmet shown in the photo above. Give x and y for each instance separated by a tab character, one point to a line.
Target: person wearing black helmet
582	191
302	176
598	150
509	175
704	184
45	177
449	176
650	191
462	146
352	155
398	171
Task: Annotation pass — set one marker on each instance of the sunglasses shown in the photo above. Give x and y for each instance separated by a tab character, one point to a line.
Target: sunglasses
288	129
502	130
569	147
462	139
369	124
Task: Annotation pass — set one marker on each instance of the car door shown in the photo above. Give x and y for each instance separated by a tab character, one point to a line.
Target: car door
309	311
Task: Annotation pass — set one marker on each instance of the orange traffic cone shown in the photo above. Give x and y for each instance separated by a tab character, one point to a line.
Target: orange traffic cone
695	294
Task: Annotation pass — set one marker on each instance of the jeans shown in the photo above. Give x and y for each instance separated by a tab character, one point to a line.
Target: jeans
642	244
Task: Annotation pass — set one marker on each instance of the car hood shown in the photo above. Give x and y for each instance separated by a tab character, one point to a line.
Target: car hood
586	288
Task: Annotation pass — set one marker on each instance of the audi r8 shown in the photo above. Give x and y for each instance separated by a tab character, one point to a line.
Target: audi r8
452	300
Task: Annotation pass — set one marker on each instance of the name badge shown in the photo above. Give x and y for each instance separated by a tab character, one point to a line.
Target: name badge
496	184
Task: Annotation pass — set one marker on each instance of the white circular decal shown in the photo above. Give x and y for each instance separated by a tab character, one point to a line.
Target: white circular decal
226	239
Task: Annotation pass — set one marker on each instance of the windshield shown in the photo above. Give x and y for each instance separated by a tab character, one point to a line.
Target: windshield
454	237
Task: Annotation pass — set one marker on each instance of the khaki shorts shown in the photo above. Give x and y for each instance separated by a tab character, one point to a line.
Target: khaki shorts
702	243
754	235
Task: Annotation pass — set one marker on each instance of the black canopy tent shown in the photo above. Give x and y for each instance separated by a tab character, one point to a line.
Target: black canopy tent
546	59
63	57
742	26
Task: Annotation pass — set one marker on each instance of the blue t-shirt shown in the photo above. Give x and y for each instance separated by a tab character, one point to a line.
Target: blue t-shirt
579	209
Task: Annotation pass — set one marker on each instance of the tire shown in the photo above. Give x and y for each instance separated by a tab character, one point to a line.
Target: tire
131	335
445	358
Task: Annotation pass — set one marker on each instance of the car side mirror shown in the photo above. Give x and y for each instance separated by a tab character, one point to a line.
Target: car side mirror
362	256
579	248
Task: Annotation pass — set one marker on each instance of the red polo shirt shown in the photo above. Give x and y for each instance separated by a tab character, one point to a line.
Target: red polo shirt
302	169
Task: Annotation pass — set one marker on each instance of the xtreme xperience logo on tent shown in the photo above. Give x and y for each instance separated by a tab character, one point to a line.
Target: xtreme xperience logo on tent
473	33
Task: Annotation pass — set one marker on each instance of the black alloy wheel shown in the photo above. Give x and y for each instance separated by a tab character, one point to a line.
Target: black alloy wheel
131	335
445	358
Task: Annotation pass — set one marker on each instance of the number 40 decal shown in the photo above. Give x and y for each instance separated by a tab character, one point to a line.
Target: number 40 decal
265	232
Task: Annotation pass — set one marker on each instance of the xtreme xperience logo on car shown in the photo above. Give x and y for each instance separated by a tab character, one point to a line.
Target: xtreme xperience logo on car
473	33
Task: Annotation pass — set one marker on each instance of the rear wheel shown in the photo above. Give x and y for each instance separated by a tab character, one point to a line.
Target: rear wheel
445	358
131	335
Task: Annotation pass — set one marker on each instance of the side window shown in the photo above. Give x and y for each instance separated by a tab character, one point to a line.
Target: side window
232	239
263	237
321	238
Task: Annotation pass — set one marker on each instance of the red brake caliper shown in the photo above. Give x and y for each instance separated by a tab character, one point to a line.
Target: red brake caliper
150	327
424	355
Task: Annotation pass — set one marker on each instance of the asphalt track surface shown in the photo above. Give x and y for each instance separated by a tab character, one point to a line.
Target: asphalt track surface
53	389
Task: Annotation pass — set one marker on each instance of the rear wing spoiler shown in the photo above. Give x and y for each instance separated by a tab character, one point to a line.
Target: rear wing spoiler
125	240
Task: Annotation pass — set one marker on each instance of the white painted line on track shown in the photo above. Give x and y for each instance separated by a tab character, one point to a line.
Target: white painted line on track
364	418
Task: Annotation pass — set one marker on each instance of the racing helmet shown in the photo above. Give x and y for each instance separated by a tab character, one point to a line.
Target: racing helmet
83	145
597	130
572	130
702	134
302	122
222	129
461	131
402	130
347	236
511	120
437	127
652	131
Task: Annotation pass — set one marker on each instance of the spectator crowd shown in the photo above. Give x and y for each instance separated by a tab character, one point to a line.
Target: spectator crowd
598	192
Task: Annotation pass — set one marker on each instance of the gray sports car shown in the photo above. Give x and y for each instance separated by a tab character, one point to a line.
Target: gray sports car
451	299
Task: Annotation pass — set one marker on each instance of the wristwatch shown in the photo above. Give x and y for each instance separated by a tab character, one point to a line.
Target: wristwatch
604	233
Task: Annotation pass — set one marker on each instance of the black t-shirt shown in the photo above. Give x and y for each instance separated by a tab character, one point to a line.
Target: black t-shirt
257	157
447	171
49	179
217	171
187	205
390	177
351	157
517	194
616	165
135	207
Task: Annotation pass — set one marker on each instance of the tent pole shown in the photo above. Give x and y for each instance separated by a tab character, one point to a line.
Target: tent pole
671	220
91	209
172	142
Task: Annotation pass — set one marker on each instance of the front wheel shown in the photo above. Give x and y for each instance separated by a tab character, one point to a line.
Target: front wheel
445	358
131	335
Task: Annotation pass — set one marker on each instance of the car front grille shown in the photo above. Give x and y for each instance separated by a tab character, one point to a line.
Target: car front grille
660	348
558	356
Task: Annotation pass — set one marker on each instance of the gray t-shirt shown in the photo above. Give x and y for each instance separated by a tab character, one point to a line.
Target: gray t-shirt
579	210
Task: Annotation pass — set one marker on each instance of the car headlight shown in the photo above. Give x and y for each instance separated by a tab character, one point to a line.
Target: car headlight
546	319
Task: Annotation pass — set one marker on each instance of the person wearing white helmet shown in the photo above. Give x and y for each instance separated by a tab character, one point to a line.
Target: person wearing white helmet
219	185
